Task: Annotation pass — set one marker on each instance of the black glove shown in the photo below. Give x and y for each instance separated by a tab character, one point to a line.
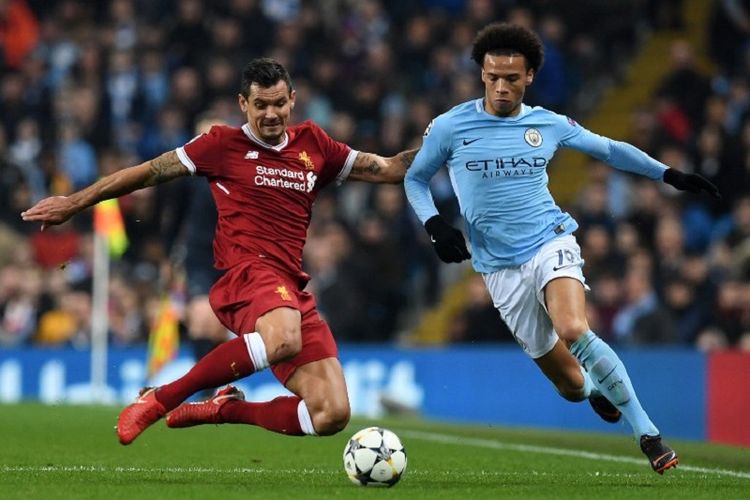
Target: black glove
448	241
693	183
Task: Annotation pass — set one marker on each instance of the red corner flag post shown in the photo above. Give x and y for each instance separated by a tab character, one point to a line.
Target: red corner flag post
164	338
108	223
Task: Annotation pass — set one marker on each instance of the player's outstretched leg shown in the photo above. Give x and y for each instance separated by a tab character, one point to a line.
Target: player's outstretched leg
285	414
136	417
204	412
228	362
609	376
660	455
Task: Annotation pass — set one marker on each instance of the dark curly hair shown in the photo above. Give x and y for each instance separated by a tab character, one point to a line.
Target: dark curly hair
507	39
264	71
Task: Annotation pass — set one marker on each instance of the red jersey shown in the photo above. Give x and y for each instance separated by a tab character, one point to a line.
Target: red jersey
264	194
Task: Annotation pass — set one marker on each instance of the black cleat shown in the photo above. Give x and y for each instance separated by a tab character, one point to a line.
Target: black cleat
605	409
660	455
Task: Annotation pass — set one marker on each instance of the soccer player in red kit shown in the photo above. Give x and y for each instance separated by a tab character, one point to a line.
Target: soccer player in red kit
264	178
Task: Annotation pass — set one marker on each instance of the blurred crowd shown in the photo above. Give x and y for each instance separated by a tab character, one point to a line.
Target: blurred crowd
88	88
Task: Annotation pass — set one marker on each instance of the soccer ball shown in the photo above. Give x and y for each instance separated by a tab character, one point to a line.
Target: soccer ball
374	457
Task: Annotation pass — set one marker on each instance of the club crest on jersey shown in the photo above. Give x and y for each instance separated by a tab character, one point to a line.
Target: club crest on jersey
283	293
533	137
305	158
251	155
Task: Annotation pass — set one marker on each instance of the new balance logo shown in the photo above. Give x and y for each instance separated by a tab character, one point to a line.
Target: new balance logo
469	141
251	155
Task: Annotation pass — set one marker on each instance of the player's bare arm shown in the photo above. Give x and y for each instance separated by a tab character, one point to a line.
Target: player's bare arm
369	167
58	209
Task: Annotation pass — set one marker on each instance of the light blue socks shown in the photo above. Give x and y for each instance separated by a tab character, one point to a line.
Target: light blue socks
608	375
589	389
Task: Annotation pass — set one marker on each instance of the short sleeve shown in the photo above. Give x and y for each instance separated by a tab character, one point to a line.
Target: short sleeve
202	155
339	157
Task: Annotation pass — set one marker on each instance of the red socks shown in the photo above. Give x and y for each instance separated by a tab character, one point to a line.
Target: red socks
278	415
226	363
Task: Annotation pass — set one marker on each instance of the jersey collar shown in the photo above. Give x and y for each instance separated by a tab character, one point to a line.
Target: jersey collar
479	105
250	135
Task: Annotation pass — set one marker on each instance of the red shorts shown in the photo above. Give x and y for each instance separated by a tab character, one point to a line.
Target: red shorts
250	290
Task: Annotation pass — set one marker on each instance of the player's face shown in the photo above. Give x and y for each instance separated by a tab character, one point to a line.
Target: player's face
505	80
268	110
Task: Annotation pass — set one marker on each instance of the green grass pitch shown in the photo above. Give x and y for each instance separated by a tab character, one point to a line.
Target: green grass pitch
72	452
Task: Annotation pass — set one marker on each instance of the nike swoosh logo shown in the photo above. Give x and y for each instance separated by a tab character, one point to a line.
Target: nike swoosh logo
142	398
218	400
467	142
607	375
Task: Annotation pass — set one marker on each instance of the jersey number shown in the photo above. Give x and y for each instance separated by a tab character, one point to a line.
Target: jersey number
563	255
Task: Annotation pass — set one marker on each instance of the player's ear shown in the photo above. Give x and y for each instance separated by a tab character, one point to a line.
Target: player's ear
292	98
529	76
243	102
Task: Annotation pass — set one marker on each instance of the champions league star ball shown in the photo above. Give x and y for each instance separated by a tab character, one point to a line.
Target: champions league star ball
374	457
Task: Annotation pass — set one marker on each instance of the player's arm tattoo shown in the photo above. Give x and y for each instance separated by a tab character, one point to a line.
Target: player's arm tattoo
366	165
404	159
165	168
127	180
370	167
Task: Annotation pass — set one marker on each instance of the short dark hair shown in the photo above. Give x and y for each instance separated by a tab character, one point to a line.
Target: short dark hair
264	71
507	39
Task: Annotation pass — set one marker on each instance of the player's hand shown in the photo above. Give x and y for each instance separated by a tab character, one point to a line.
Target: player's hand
448	241
693	183
51	211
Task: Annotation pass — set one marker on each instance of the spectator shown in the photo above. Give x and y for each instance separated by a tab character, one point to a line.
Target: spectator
685	85
20	290
479	321
19	32
729	29
77	157
95	87
643	320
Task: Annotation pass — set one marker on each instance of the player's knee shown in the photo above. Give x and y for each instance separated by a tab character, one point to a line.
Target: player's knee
331	419
571	329
284	342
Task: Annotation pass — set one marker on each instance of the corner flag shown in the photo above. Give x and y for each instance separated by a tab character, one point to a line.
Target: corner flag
108	223
164	337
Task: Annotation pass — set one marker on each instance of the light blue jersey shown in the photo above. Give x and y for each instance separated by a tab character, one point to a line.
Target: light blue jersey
498	168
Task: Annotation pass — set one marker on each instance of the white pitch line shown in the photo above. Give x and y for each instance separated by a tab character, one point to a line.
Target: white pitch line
425	436
36	469
174	470
497	445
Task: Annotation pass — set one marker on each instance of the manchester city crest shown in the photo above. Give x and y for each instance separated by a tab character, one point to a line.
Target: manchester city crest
533	137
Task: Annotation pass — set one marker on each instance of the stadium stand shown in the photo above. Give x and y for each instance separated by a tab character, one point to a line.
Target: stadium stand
86	89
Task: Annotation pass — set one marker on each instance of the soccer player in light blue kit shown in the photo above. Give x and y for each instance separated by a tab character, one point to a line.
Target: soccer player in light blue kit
497	151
